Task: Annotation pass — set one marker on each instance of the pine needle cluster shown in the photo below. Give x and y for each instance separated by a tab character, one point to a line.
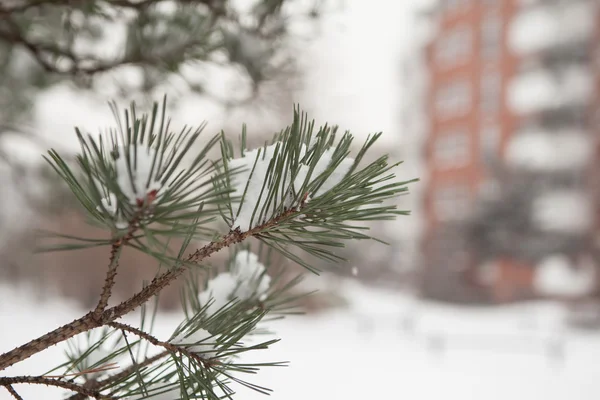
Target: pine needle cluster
147	186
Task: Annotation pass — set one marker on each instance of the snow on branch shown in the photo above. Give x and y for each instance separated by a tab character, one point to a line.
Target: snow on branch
246	280
256	180
198	342
137	176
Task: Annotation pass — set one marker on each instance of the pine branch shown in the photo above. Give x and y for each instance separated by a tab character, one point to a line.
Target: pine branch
90	321
111	273
40	380
109	281
13	392
166	345
97	385
58	335
301	191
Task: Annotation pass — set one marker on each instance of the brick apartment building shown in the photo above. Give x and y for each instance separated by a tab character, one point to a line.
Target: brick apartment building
506	79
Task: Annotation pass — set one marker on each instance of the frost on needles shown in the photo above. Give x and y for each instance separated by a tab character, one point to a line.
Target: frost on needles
148	186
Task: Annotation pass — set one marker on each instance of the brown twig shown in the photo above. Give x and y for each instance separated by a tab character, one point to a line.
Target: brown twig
166	345
109	281
139	332
113	265
58	335
13	392
89	321
97	385
40	380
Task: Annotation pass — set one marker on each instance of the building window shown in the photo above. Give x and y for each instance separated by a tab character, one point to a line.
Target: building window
491	92
454	47
451	149
453	99
491	36
451	201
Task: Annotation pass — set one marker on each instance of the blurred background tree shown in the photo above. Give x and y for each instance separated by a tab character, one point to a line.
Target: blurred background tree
143	48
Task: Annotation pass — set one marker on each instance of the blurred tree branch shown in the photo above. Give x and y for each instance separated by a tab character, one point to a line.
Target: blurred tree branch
159	39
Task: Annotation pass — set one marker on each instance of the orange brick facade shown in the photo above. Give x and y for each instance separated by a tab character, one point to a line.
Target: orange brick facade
513	280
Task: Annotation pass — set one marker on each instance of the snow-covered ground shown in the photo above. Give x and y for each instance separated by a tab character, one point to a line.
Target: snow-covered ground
385	345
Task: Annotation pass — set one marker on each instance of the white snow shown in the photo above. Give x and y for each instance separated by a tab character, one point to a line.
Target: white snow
555	276
21	149
135	180
110	204
564	211
218	292
541	88
251	276
61	108
532	30
252	210
247	279
540	27
198	341
248	185
550	151
531	92
336	177
384	345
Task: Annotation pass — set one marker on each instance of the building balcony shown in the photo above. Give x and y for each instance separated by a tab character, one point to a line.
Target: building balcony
543	89
544	26
564	211
552	152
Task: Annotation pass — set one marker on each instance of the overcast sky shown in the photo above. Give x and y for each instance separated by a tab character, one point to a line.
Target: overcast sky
356	78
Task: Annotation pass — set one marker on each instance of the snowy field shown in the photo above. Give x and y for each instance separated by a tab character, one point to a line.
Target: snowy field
383	346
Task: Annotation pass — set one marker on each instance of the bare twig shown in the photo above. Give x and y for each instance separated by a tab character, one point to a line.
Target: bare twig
58	335
13	392
97	385
166	345
89	321
109	281
113	264
40	380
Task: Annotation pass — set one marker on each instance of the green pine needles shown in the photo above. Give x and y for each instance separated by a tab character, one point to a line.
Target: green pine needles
146	185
